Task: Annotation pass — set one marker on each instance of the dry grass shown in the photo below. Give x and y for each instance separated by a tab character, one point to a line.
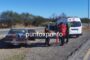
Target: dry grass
22	26
19	56
86	28
12	54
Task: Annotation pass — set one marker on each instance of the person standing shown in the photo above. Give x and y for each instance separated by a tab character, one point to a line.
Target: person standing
67	33
47	39
62	28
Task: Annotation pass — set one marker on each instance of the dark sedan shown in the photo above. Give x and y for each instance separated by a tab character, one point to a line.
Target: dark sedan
17	36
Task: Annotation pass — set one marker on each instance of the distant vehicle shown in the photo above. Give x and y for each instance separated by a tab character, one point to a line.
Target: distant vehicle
52	29
75	28
31	32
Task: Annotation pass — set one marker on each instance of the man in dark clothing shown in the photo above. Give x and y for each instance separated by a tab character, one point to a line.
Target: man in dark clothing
67	32
47	40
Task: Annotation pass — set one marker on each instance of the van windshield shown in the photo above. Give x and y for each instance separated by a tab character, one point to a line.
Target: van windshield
75	24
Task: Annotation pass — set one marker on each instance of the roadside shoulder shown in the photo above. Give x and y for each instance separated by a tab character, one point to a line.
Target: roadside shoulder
81	54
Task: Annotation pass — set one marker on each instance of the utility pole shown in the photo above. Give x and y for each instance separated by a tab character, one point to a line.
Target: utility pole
88	12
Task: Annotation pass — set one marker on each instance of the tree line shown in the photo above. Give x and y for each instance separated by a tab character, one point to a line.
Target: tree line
10	18
21	18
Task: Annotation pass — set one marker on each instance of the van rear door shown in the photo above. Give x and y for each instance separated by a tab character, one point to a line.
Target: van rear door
75	27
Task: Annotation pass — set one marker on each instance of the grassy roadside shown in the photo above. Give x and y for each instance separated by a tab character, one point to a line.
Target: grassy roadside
86	28
20	55
17	57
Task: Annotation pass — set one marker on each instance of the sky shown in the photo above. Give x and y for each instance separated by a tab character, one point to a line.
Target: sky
47	8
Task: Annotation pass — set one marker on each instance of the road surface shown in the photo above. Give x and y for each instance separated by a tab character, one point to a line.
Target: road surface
37	50
83	53
57	52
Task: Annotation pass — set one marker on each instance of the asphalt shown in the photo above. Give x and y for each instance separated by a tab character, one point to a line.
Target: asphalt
38	51
83	53
56	52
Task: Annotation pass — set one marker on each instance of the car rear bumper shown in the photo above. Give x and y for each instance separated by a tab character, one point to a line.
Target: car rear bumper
16	41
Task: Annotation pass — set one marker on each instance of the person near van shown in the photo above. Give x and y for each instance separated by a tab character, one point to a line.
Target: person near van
47	39
67	32
62	28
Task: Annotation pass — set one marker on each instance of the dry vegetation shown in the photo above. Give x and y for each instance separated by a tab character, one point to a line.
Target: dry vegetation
87	28
12	54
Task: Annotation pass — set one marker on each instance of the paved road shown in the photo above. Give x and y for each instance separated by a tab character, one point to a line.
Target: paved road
56	52
37	50
83	53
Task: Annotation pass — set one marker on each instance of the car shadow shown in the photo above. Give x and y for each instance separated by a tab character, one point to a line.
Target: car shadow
33	45
8	45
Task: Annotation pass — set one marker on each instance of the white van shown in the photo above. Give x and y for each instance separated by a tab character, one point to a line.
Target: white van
75	25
